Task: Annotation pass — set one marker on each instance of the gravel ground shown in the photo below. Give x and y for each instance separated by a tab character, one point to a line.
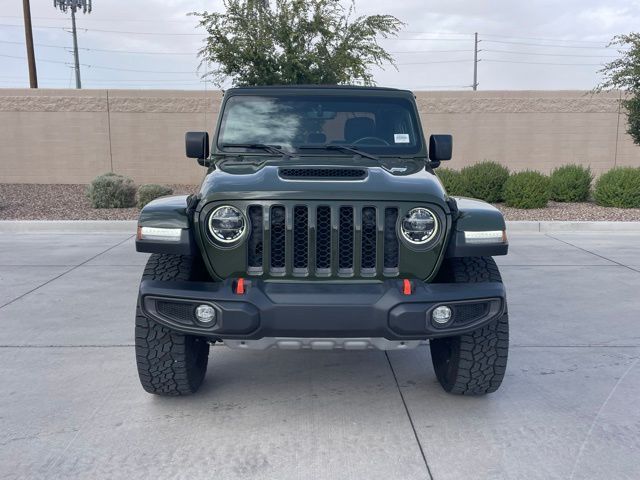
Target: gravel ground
69	202
61	202
572	212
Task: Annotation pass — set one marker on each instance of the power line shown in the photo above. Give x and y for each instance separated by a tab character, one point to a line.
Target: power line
544	45
114	20
431	51
440	38
141	33
540	38
11	78
40	60
439	33
141	52
544	63
107	31
184	22
44	45
549	54
426	39
102	67
556	39
429	63
20	26
138	52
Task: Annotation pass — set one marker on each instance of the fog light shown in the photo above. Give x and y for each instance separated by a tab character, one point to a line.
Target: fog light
206	314
441	315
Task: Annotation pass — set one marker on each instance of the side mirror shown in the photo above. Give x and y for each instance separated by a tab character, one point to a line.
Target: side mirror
440	149
197	145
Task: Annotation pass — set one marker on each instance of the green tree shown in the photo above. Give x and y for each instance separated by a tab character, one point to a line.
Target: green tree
624	73
294	42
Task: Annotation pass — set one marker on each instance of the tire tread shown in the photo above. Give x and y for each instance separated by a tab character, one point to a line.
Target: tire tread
169	363
476	362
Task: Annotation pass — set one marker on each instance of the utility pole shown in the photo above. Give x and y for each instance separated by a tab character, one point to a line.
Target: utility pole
475	63
74	5
76	59
28	34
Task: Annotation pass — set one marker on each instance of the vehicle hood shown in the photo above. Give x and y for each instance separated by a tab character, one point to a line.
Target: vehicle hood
385	180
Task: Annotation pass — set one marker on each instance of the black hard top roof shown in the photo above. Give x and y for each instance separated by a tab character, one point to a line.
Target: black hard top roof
343	88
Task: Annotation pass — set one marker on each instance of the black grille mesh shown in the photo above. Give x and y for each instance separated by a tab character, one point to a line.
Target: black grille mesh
177	311
468	312
345	246
277	237
391	246
368	238
255	244
300	237
323	238
332	173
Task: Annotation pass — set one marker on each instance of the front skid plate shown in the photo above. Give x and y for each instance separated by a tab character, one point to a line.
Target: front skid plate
287	343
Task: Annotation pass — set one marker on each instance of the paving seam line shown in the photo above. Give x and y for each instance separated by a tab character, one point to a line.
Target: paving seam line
65	272
592	253
406	409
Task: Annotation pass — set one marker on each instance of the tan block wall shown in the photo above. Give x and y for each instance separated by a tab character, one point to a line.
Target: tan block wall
70	136
529	130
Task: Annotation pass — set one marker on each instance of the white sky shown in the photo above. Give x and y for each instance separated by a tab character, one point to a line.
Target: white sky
434	51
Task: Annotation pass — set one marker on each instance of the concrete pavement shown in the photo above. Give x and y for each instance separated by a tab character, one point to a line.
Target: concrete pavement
71	405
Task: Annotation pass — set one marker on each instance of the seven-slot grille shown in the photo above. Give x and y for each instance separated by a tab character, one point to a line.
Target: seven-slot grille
322	240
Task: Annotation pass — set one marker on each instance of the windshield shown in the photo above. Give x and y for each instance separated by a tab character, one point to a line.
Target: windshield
306	123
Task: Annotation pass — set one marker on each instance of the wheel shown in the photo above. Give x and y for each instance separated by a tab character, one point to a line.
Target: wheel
169	363
473	363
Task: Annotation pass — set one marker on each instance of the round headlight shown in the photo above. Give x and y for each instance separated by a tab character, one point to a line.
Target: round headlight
227	224
419	226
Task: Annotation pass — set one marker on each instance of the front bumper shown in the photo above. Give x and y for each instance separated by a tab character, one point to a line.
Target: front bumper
322	310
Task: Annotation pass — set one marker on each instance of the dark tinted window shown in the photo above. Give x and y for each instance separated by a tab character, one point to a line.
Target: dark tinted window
376	125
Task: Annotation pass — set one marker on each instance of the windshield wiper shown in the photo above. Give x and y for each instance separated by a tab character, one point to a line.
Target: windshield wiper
277	149
343	148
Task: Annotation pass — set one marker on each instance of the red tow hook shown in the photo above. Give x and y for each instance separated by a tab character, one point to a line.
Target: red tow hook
406	287
240	290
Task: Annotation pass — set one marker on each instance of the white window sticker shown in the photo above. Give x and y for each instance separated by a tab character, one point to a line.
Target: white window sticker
401	138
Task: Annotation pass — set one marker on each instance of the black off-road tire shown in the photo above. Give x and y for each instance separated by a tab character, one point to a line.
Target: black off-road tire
169	363
473	363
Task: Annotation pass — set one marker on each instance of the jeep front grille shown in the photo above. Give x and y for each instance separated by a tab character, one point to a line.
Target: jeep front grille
254	259
278	239
322	240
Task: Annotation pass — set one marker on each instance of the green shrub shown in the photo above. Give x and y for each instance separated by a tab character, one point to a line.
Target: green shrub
527	189
485	180
112	191
146	193
452	181
570	183
619	187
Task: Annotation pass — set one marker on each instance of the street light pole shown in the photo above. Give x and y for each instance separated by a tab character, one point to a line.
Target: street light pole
28	34
75	46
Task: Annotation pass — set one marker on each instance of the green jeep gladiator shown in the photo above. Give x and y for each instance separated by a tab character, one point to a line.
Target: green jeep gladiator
321	224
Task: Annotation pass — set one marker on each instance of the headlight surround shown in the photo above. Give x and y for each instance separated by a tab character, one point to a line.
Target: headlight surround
419	226
227	225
